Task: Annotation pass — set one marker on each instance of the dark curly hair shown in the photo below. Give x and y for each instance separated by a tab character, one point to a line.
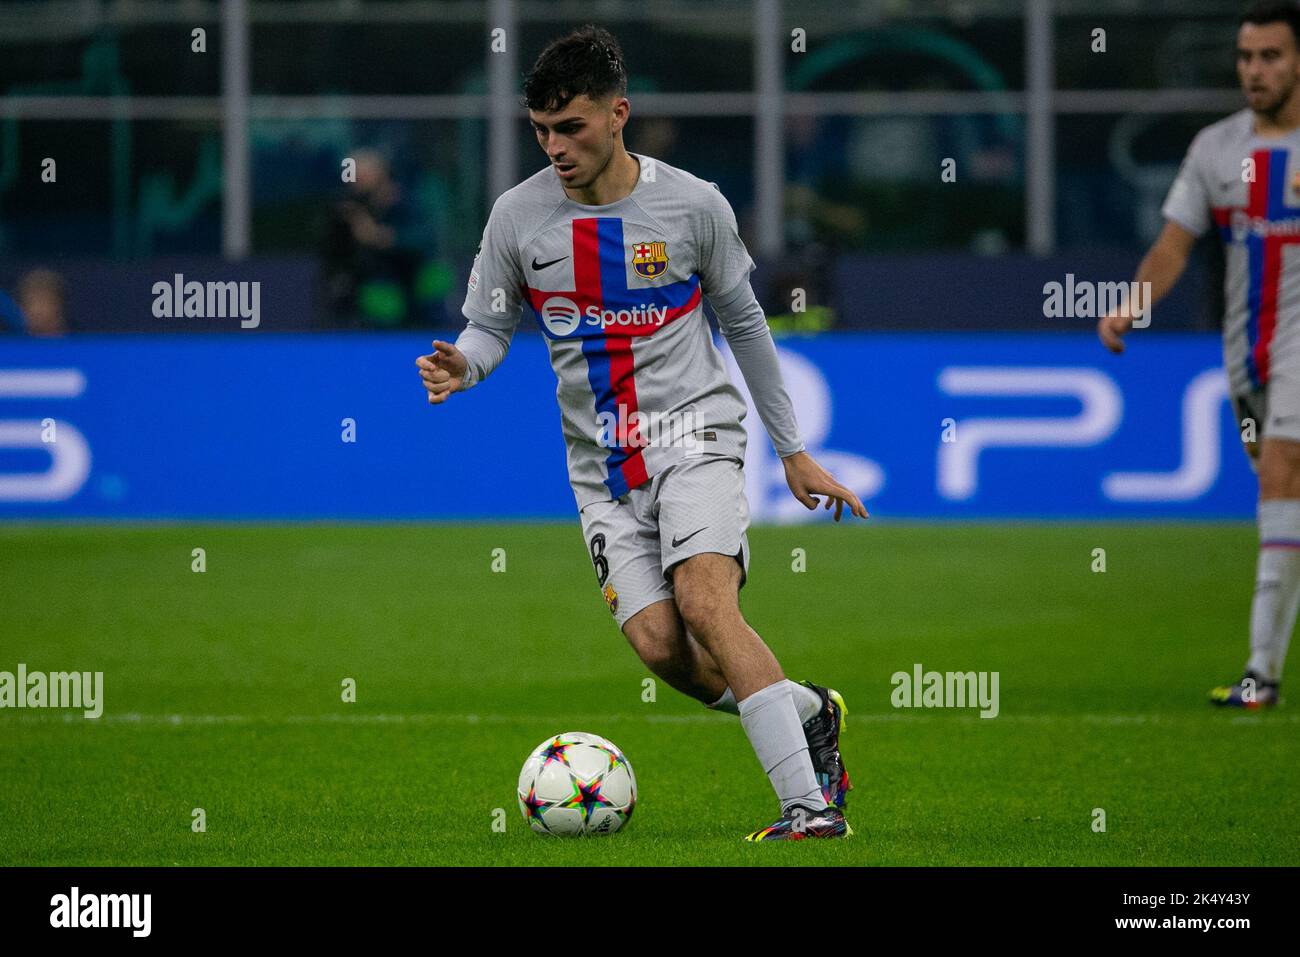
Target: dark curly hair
587	61
1274	11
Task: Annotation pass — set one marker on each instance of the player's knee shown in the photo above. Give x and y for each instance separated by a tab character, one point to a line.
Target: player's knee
655	634
1279	469
665	661
703	607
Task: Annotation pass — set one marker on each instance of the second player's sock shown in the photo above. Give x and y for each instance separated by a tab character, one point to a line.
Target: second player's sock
1277	587
806	701
776	734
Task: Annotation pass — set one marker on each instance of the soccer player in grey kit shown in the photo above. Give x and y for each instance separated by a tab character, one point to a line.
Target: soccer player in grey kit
613	252
1241	178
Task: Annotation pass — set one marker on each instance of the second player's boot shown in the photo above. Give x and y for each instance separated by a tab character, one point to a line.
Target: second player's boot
1251	692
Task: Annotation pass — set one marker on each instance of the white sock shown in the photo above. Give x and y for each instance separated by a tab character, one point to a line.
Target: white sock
1277	587
806	701
774	731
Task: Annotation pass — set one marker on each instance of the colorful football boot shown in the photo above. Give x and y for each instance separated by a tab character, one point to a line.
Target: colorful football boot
800	823
823	734
1251	692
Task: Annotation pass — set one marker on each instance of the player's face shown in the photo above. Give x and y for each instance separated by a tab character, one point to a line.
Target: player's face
579	139
1268	65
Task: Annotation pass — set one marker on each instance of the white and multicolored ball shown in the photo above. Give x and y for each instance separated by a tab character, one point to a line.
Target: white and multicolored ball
576	784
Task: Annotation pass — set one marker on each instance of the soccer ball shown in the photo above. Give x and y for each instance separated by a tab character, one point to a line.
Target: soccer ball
576	783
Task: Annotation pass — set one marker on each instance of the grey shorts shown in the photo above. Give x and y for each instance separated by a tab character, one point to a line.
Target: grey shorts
1275	409
695	506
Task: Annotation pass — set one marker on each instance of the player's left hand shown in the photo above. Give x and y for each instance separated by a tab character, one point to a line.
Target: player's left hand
806	479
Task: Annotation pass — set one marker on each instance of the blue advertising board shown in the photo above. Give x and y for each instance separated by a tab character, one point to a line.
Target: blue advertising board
257	425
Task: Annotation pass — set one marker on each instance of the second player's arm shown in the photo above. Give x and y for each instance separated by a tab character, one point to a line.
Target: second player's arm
1161	266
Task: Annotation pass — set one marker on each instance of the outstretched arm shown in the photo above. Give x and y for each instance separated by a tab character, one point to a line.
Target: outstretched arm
453	368
1161	266
493	299
744	325
1187	212
741	319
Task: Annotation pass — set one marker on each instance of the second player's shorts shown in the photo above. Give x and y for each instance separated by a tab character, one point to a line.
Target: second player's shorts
695	506
1275	408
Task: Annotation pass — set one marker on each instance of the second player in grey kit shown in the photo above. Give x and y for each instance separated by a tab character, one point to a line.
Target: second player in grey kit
613	254
1241	179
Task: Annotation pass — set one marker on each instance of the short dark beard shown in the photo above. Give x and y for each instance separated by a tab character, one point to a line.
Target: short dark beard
1284	99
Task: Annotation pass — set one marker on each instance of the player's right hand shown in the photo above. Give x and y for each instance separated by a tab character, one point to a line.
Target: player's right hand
1110	328
442	370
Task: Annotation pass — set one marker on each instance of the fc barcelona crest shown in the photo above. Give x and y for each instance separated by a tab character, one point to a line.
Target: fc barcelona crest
650	260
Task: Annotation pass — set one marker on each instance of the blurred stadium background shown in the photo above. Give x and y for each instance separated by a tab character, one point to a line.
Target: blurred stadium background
827	125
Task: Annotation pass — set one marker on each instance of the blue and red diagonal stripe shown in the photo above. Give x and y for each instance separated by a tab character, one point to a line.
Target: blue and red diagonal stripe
1266	203
600	280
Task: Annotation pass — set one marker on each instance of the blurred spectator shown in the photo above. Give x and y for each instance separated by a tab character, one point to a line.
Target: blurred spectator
815	150
797	295
41	299
368	274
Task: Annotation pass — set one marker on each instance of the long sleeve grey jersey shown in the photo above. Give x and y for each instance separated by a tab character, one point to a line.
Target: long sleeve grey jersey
617	291
742	322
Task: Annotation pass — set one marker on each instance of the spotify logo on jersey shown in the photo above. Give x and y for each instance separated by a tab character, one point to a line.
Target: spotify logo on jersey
560	316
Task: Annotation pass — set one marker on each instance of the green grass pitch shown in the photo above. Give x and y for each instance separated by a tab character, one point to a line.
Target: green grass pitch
223	692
